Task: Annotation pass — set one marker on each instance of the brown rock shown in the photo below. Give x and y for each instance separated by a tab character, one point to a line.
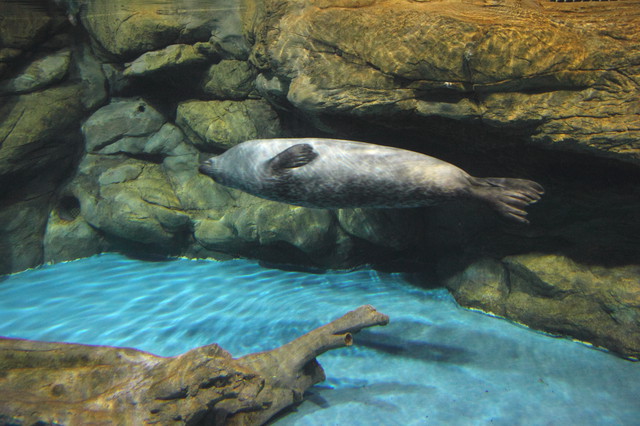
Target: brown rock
230	79
394	228
172	57
216	125
132	200
127	29
23	25
536	69
33	124
39	145
40	73
68	236
552	293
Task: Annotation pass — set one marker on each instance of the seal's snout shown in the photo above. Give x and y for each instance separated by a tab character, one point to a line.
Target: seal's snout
206	168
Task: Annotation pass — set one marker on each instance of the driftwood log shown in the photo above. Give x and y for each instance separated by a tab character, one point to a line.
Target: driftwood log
72	384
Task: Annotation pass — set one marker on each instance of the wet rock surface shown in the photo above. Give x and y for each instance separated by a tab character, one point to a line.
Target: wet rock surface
40	73
572	86
219	125
107	108
555	294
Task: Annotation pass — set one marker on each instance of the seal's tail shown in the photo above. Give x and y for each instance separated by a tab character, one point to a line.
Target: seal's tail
509	197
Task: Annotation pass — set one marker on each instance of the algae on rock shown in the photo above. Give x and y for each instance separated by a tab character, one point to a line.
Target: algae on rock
568	88
38	74
230	79
555	294
218	125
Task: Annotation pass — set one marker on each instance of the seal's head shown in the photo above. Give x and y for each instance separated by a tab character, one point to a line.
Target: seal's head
208	168
216	169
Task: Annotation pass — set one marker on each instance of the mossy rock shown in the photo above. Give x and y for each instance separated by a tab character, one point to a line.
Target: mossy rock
553	293
230	79
218	125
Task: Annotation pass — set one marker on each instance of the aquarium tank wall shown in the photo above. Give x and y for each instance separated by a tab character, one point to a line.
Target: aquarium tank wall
108	108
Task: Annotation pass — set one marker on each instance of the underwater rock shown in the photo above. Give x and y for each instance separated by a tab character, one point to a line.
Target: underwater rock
215	235
127	29
38	74
94	81
7	54
171	57
552	293
123	125
40	112
74	383
139	184
269	224
22	225
394	228
130	199
279	232
273	89
68	236
230	79
218	125
23	24
40	143
439	65
33	128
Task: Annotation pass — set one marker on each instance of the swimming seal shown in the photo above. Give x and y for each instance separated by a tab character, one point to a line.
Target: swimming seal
334	174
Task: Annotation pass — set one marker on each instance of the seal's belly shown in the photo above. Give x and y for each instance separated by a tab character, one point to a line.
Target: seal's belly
358	182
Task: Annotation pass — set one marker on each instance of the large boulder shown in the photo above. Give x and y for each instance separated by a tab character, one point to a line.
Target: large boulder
472	64
68	236
38	74
171	57
126	29
23	24
218	125
134	201
121	124
272	231
40	145
22	225
230	79
553	293
33	128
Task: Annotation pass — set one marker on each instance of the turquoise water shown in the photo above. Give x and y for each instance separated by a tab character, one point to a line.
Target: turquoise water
435	363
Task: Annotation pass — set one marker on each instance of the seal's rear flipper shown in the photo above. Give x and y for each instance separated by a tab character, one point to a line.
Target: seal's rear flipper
295	156
509	197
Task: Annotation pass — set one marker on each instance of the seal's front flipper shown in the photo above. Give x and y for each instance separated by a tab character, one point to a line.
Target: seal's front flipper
293	157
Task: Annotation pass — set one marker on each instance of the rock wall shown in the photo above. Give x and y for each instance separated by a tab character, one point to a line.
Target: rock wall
107	108
558	76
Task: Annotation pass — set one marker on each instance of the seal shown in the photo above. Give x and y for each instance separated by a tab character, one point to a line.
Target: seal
335	174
